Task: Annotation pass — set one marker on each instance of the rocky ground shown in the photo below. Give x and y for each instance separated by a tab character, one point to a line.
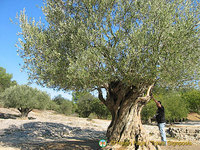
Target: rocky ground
46	130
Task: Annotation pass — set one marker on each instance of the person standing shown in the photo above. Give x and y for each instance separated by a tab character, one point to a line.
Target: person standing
160	118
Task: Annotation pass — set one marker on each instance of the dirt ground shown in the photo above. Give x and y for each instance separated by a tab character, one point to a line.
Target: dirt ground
193	117
45	130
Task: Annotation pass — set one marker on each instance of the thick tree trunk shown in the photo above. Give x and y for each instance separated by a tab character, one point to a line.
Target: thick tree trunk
125	105
126	126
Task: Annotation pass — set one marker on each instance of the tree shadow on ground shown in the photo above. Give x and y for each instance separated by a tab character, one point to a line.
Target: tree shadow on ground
8	116
48	135
12	116
63	145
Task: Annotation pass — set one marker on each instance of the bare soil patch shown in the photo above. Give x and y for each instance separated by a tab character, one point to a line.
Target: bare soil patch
193	117
46	130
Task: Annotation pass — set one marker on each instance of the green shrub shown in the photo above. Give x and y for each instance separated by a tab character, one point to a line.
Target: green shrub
66	107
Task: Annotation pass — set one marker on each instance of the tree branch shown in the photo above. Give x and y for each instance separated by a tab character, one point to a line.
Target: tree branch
30	110
101	96
149	90
148	96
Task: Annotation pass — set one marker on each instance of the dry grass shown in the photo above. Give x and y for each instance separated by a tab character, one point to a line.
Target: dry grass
193	117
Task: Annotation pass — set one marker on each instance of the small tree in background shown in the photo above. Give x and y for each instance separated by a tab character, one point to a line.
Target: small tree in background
53	106
59	99
25	99
100	109
88	104
84	100
192	97
64	106
5	80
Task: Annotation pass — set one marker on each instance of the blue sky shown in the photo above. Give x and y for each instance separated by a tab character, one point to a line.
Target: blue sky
8	39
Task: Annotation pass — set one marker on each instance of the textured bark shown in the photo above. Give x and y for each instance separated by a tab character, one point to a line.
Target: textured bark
125	105
126	126
24	111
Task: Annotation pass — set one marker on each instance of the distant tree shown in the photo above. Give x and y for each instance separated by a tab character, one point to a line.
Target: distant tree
192	97
76	95
59	99
64	106
148	112
100	109
84	100
25	99
175	106
53	106
88	104
120	46
5	80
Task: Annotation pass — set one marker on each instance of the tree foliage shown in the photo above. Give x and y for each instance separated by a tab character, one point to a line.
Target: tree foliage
175	107
122	46
64	106
5	80
84	107
148	112
53	106
88	44
88	105
25	98
192	97
100	109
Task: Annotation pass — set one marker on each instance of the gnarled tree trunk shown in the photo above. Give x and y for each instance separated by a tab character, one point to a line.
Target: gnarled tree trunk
125	105
24	112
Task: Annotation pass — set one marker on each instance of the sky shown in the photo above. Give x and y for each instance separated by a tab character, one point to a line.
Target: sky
8	39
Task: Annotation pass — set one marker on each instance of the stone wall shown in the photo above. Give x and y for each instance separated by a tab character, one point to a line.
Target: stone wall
189	133
185	133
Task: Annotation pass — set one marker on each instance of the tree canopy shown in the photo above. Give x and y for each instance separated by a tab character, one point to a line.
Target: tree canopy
5	80
88	44
25	98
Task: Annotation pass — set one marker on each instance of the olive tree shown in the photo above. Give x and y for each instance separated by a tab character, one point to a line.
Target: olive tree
64	106
25	99
123	47
5	80
84	102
